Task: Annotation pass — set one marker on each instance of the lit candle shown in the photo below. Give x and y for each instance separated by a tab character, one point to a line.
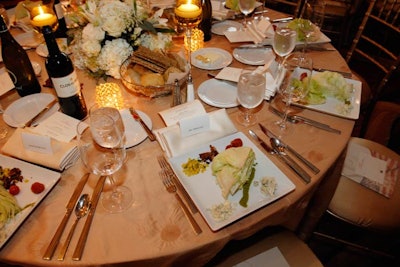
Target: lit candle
188	11
43	18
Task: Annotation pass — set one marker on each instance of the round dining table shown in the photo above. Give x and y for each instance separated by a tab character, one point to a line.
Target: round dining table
154	231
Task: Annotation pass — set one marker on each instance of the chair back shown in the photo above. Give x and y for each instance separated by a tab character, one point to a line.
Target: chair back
361	206
375	51
291	7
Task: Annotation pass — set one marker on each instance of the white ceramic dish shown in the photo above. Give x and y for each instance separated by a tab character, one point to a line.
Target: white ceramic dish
226	25
218	58
217	93
29	39
253	56
331	104
134	131
206	193
42	51
31	173
25	108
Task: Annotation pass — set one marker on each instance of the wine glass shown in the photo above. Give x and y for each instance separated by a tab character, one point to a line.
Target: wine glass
3	13
101	151
284	42
246	7
112	112
296	76
311	20
250	94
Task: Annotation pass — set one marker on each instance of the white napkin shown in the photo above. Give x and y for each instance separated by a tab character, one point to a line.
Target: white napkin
64	154
256	32
173	144
219	12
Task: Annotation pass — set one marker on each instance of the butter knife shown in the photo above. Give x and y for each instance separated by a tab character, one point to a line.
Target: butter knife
85	231
296	119
70	207
136	116
343	73
311	166
41	113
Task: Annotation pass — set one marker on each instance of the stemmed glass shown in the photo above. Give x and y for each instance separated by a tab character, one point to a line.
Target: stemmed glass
250	93
246	7
296	76
101	150
284	42
312	18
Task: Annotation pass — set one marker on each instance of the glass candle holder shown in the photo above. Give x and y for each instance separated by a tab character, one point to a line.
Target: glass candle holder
42	14
197	40
109	95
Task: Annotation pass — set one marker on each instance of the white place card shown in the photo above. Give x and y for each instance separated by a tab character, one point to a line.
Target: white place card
37	143
372	168
194	125
58	126
229	74
271	258
190	109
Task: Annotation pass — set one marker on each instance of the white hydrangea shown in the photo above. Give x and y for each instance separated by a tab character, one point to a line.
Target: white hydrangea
157	41
116	17
91	32
91	48
112	55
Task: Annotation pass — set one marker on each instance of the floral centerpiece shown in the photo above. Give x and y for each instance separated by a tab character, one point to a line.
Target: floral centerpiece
110	30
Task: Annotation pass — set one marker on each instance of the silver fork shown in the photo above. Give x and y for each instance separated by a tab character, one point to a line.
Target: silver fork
171	188
168	170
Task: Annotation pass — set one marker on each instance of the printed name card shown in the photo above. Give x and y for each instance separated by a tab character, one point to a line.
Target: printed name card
6	83
37	143
187	110
194	125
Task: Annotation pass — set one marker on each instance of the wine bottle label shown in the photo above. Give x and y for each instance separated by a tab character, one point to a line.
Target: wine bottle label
67	86
59	11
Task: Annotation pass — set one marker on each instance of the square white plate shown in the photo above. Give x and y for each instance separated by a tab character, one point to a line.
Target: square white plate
206	193
330	106
31	174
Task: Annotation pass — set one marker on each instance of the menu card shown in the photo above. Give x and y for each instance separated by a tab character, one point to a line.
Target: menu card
371	169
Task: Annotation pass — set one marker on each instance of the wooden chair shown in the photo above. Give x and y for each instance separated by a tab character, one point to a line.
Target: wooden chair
291	7
364	219
375	52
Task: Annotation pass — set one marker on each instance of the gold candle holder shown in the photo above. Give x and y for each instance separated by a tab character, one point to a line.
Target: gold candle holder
197	40
109	95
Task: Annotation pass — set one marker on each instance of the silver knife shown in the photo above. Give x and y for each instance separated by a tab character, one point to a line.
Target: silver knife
343	73
41	113
284	157
70	207
254	46
136	116
296	118
85	231
311	166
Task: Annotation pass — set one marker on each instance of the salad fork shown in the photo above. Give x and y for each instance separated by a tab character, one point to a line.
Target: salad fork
171	188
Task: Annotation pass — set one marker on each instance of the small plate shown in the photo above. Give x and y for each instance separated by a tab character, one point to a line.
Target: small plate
29	39
217	93
211	58
253	56
227	25
25	108
135	134
32	173
42	51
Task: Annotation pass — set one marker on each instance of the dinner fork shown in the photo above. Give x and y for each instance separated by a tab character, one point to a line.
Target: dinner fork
171	188
168	170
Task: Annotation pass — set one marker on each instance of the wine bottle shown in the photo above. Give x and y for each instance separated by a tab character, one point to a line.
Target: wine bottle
63	77
205	24
17	63
61	31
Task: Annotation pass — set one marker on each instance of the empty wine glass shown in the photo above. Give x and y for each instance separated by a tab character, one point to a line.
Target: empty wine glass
246	7
3	13
284	42
296	76
251	91
311	20
99	143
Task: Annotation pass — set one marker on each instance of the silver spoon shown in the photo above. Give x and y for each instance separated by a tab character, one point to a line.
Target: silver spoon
81	209
280	150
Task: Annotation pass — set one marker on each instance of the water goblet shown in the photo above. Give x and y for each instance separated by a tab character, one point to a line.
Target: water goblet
4	14
284	42
102	153
251	91
246	7
311	20
296	76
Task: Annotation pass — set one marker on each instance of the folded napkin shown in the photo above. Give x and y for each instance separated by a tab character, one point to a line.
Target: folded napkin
64	154
220	12
174	144
257	31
